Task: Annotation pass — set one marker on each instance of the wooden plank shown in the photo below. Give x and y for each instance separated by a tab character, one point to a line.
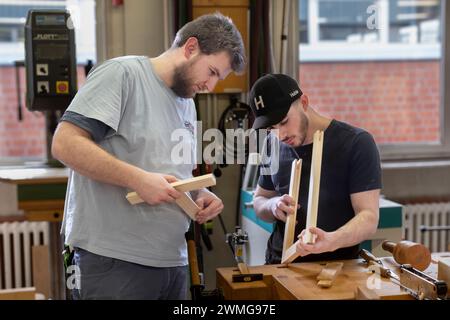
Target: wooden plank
186	185
204	181
188	205
243	268
291	253
18	294
34	176
37	205
41	270
328	274
294	187
314	186
45	215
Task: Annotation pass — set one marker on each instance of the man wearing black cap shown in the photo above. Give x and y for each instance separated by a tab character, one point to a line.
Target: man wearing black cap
350	177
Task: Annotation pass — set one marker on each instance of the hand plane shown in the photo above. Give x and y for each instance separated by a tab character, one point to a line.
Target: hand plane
418	284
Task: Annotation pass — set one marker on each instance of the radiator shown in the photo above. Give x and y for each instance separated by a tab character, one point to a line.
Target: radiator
434	216
16	240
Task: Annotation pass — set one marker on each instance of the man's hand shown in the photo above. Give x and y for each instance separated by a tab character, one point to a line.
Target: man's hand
325	242
155	188
282	206
209	204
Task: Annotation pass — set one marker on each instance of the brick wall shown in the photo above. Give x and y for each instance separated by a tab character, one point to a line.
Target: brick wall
24	138
395	101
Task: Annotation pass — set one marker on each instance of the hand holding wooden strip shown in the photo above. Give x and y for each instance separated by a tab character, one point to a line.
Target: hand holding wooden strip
186	185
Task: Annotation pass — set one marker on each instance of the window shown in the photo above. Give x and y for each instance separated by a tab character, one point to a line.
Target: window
377	64
25	140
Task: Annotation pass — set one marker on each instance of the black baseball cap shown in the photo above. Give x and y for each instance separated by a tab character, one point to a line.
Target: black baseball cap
271	98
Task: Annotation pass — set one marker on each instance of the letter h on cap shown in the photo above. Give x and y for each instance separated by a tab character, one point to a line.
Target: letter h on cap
260	103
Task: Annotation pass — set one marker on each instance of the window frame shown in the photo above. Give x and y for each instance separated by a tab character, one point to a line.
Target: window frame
418	151
430	150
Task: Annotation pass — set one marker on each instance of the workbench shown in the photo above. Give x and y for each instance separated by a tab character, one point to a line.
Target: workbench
38	194
297	281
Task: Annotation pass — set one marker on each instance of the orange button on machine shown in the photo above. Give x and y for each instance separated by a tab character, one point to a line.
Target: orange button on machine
62	86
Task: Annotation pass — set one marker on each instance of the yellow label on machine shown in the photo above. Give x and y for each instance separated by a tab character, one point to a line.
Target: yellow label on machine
62	86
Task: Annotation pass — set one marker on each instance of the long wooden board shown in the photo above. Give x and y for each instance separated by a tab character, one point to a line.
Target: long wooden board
314	186
294	187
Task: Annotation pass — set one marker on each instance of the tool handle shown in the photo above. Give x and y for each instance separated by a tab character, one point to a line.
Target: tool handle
388	246
193	263
366	255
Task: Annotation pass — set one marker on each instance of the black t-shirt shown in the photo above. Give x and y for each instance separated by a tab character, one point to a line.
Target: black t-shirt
350	164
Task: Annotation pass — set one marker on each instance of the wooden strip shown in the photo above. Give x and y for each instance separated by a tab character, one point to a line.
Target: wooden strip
133	198
290	254
18	294
294	187
41	270
45	215
204	181
186	185
328	274
243	268
35	205
314	187
188	205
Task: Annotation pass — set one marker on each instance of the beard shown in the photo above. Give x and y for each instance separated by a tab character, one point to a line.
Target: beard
304	123
182	81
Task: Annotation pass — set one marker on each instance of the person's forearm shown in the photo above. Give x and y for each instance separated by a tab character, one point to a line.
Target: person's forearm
358	229
84	156
263	208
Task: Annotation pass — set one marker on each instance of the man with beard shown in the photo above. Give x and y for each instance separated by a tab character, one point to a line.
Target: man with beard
350	180
116	137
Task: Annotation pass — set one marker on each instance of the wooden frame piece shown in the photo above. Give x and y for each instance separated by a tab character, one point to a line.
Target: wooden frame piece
186	185
294	187
328	274
188	205
314	187
291	254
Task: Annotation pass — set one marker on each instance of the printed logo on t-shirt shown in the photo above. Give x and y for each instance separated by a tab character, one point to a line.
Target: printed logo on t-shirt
189	126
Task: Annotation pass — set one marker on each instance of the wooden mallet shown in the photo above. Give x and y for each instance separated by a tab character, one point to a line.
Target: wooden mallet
408	252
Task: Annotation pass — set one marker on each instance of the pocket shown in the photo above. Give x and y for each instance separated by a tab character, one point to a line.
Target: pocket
92	264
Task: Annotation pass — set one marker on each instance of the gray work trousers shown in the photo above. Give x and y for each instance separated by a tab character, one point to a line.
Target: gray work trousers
108	278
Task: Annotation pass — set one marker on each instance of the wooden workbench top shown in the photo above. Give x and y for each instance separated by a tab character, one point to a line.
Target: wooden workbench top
297	281
34	175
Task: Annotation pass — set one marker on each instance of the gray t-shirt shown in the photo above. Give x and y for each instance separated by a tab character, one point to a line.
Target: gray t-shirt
142	112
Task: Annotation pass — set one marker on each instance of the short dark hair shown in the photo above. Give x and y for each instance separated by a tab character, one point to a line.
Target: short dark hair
215	33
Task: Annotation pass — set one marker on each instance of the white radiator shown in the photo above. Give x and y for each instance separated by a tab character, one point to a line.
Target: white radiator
16	240
430	215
